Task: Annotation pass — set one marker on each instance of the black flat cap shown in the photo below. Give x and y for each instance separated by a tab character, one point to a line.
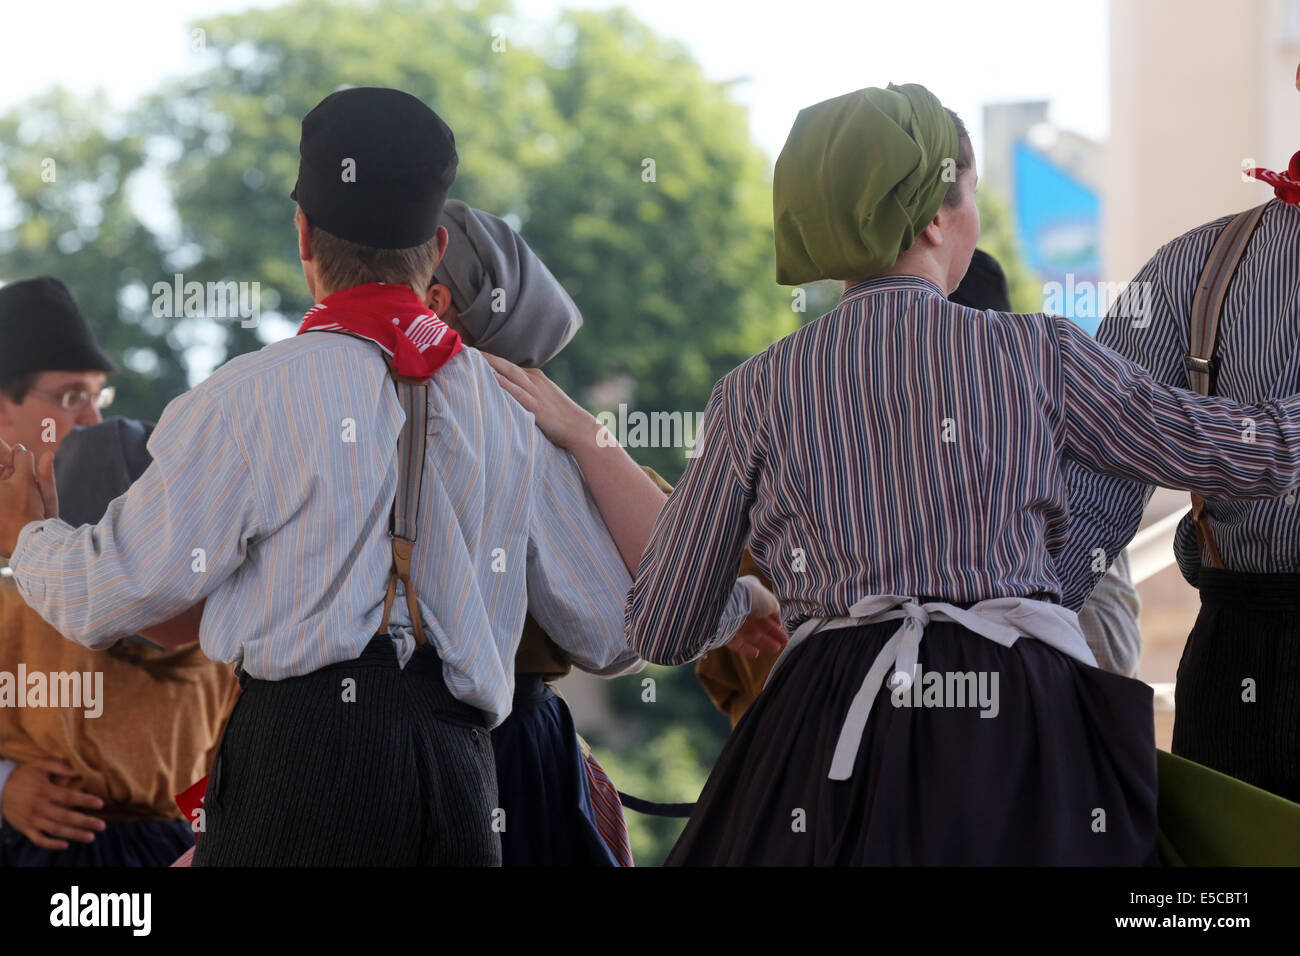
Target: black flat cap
42	330
375	167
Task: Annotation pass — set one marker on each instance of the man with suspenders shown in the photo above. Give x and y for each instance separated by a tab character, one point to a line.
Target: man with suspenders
374	660
1217	311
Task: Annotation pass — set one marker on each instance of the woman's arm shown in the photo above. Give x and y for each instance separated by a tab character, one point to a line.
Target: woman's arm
1120	421
628	500
181	630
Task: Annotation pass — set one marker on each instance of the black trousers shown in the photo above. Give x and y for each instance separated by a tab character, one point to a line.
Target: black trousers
1237	700
361	763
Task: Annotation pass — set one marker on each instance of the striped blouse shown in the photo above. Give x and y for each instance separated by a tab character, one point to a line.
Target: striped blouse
903	444
1258	357
269	495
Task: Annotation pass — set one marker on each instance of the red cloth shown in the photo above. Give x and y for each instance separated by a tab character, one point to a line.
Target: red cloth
189	801
394	318
1286	186
609	812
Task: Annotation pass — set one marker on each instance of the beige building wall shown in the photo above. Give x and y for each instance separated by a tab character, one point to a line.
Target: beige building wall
1196	86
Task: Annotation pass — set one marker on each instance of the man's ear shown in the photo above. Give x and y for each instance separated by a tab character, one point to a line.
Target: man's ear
438	298
441	236
304	235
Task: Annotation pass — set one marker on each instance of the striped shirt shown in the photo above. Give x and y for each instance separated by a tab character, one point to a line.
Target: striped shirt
269	495
903	444
1258	358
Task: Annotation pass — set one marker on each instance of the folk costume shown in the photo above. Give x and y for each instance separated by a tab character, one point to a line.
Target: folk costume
1109	619
372	591
894	468
559	804
1237	697
155	723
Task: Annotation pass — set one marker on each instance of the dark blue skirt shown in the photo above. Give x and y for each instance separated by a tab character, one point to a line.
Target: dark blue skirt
1062	771
542	784
146	843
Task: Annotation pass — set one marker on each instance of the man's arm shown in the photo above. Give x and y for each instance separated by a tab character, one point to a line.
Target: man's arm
177	533
1146	327
179	631
576	577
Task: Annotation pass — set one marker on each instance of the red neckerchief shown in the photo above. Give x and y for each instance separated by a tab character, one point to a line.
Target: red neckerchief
394	318
1286	186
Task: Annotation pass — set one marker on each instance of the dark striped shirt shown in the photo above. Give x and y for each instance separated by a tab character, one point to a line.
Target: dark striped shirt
903	444
1258	359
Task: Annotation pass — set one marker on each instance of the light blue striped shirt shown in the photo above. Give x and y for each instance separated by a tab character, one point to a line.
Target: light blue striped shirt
269	495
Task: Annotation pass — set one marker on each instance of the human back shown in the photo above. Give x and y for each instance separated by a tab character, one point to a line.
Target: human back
860	414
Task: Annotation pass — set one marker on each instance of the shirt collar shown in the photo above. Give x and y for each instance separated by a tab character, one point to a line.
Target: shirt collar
891	283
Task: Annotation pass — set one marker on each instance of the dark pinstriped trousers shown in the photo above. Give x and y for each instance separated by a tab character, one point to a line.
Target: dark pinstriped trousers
360	763
1248	630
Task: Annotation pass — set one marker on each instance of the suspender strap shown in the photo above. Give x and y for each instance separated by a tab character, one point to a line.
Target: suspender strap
405	522
1207	309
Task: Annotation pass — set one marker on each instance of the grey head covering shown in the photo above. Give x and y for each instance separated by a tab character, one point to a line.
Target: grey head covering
508	302
98	463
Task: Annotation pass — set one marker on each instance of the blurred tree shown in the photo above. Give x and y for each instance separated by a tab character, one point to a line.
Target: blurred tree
656	215
632	176
65	166
670	768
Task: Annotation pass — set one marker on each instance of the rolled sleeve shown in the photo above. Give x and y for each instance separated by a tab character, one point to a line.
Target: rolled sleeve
577	582
177	533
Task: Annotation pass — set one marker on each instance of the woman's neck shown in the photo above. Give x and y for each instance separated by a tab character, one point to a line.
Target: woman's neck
918	266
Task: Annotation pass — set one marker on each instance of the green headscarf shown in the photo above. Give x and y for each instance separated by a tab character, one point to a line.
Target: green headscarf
860	175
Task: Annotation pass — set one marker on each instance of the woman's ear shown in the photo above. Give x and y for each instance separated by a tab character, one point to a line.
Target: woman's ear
438	298
933	232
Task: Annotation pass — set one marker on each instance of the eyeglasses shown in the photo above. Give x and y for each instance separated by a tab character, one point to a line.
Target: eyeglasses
74	400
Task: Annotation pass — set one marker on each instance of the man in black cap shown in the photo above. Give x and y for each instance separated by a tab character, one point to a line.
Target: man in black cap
374	610
52	373
52	376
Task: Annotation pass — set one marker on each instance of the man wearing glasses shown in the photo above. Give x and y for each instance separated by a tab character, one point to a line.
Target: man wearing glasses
92	791
52	373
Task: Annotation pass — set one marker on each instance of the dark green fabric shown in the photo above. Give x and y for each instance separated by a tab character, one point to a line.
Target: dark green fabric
859	176
1210	819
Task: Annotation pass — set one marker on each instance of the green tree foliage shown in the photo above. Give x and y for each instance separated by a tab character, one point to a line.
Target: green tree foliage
632	176
670	768
64	165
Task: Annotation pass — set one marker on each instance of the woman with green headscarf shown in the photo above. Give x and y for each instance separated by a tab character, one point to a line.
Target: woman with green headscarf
894	468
